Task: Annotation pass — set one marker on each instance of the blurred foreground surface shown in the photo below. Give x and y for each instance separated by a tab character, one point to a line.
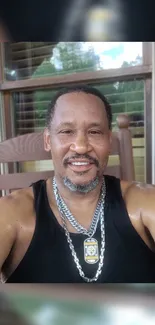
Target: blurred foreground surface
78	305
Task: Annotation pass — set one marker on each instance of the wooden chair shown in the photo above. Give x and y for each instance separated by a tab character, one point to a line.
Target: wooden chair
29	147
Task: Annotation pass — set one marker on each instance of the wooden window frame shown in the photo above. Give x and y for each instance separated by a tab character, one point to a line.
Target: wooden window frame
143	71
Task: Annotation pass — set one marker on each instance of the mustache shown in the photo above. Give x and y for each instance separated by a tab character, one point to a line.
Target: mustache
77	156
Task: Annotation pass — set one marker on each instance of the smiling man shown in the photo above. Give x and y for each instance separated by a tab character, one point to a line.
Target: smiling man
79	226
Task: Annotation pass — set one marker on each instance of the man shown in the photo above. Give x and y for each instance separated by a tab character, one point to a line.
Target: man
80	226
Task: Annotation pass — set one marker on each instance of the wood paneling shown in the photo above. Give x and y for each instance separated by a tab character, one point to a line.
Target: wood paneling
109	75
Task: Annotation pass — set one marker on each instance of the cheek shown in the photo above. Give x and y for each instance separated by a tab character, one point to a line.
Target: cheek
103	152
58	152
104	148
59	143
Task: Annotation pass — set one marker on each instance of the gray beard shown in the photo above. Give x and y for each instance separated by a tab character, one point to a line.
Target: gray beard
81	188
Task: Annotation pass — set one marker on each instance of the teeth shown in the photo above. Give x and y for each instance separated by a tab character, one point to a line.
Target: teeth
78	163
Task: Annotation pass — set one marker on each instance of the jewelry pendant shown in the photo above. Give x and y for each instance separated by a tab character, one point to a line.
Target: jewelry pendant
91	255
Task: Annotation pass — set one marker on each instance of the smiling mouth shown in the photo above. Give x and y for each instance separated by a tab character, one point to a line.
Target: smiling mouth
80	165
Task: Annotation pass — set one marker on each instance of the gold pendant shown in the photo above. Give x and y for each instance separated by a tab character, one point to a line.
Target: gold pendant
91	255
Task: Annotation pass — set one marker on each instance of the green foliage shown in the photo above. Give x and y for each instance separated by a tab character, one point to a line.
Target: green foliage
127	96
68	58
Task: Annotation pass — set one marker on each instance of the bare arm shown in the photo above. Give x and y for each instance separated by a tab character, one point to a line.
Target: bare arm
17	224
148	208
140	202
8	227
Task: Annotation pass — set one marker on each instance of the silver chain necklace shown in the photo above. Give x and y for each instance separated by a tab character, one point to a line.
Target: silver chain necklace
90	244
63	209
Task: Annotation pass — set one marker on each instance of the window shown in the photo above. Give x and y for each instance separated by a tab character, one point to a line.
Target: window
39	59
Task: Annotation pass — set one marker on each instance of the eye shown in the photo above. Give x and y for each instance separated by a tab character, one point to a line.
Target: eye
66	131
95	132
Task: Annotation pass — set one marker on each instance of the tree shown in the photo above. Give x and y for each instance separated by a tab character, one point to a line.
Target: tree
67	58
127	96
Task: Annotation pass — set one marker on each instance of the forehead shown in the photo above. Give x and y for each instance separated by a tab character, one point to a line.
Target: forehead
80	105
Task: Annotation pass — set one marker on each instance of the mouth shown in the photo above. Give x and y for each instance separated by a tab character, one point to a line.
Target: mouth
80	165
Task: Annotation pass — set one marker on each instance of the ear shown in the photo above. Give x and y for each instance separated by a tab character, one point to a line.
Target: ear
47	140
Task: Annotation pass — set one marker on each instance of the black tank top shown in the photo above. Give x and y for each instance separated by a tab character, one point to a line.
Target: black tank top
49	260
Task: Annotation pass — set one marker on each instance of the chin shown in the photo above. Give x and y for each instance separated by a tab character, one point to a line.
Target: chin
81	184
82	177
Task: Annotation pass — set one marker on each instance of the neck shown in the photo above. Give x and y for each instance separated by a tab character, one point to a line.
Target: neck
82	206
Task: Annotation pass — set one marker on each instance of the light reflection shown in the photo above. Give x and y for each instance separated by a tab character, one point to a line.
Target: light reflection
131	316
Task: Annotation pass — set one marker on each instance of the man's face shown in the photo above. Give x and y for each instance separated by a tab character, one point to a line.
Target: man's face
79	138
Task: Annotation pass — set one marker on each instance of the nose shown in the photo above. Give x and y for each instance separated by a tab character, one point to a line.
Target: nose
81	144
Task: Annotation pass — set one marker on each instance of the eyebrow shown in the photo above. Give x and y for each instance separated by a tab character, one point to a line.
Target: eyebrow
66	124
95	124
71	124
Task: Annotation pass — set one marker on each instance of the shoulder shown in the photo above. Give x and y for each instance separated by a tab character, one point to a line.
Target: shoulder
140	202
16	205
15	219
138	191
